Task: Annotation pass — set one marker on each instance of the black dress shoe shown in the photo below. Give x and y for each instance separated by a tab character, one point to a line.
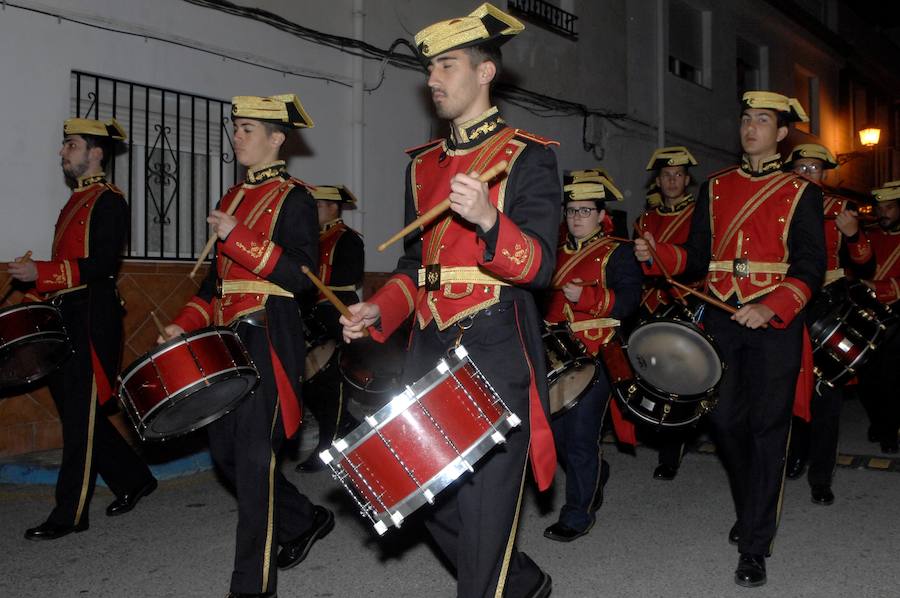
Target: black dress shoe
312	464
821	494
751	571
563	533
889	446
795	467
126	502
293	552
665	472
52	531
241	595
733	535
543	587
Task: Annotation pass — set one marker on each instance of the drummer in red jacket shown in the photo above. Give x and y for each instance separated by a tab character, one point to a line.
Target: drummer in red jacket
597	283
251	286
80	279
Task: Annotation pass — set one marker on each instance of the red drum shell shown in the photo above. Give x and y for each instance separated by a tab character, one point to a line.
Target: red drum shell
33	343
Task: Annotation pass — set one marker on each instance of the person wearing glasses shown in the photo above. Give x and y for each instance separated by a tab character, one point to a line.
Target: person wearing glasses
596	284
816	440
758	234
668	219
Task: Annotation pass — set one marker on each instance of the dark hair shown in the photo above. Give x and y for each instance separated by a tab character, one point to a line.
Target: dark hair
105	144
782	120
484	52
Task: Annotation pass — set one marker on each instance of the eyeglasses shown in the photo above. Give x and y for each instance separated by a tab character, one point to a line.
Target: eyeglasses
583	212
807	169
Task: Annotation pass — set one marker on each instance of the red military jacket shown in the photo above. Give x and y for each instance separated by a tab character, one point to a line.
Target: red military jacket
886	245
71	238
589	319
342	278
750	215
859	249
667	226
247	257
468	281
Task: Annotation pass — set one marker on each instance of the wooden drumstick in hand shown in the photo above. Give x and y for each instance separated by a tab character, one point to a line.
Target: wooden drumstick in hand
159	325
212	238
426	218
329	294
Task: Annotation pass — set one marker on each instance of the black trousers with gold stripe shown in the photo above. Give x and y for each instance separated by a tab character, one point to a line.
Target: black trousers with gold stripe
475	520
244	445
91	444
752	420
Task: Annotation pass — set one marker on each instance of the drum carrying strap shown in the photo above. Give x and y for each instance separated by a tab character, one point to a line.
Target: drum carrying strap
253	287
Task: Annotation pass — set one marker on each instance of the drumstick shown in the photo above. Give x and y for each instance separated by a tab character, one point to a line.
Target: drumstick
8	284
705	297
329	294
212	238
159	325
423	220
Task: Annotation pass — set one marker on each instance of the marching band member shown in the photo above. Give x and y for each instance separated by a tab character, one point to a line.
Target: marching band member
759	233
80	279
466	279
251	285
668	219
880	379
599	284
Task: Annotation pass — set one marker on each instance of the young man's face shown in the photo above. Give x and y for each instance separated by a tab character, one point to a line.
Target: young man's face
253	144
888	214
811	168
74	156
455	83
672	181
580	225
760	132
327	210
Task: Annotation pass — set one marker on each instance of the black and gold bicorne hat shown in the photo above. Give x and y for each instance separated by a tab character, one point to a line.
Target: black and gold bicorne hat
811	150
96	128
487	24
775	101
592	184
284	109
336	193
676	155
889	192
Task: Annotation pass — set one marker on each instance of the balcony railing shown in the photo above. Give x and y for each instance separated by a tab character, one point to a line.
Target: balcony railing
546	15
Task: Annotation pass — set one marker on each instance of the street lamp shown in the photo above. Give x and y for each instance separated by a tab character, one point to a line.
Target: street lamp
869	136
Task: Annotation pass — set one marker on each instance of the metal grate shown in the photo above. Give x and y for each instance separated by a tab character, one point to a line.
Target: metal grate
545	14
178	160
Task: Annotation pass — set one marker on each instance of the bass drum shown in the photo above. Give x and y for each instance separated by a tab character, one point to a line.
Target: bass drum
668	372
846	325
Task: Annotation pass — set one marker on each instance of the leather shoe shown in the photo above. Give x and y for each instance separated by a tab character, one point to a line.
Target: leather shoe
733	535
543	587
821	494
665	472
563	533
795	467
604	477
751	571
889	446
52	531
312	464
126	502
293	552
242	595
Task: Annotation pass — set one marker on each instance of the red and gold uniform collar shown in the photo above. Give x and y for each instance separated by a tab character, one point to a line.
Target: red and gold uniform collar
84	182
766	165
473	132
684	202
574	245
266	172
330	225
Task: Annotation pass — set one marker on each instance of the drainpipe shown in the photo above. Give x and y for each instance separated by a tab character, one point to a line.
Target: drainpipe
660	73
357	115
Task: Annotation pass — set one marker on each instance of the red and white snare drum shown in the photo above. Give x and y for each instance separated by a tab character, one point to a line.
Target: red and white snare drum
186	383
400	457
33	343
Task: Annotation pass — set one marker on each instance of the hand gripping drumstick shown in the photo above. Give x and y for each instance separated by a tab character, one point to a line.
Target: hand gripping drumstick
329	294
426	218
159	325
214	236
662	268
6	285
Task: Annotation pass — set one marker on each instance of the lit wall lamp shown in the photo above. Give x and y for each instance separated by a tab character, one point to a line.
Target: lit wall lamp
869	136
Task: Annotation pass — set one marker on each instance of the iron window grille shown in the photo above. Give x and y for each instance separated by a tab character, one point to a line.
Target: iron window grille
546	15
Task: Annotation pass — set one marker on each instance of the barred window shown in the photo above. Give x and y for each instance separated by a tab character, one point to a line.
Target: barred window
177	162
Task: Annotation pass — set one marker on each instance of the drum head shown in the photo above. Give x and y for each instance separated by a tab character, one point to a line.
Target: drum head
570	386
32	359
197	408
674	357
